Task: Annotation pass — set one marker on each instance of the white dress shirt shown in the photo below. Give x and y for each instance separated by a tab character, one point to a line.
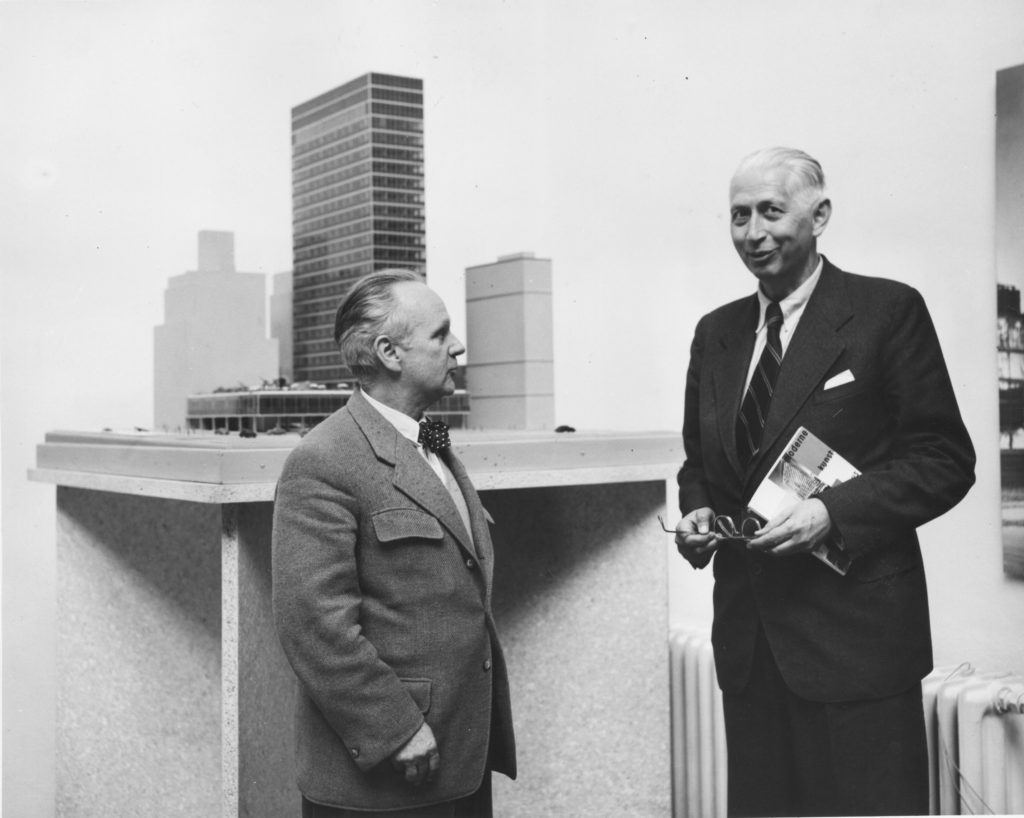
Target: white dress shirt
409	428
792	309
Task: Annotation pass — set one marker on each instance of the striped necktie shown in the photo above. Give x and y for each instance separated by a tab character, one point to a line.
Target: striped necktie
754	410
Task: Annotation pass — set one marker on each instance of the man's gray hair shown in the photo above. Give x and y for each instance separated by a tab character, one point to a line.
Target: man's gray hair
367	312
804	166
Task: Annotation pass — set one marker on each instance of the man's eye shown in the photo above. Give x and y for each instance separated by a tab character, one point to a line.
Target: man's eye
740	218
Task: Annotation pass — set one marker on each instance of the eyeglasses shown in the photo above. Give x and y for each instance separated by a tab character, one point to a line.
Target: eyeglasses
725	527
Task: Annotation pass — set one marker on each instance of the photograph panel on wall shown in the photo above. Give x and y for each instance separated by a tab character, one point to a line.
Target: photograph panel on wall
1009	246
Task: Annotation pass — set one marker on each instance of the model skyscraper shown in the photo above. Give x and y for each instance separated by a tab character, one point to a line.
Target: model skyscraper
357	203
509	333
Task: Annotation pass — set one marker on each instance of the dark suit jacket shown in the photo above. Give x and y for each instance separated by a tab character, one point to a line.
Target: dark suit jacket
835	638
383	605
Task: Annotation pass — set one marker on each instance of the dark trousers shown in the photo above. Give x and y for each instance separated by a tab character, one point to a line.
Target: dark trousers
788	756
477	805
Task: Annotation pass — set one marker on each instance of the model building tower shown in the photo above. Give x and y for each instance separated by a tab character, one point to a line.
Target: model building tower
281	322
214	332
357	203
510	369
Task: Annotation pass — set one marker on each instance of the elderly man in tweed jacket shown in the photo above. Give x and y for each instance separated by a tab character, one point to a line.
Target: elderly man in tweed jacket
382	569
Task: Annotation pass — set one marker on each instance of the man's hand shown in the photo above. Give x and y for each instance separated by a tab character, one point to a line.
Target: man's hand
795	530
419	759
694	536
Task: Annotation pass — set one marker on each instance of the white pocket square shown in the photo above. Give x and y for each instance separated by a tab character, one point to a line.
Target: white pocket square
838	380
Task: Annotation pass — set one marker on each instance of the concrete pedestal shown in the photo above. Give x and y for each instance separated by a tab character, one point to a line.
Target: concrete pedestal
174	697
580	598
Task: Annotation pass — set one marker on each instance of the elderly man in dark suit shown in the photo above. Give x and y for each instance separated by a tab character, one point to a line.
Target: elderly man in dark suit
382	570
820	672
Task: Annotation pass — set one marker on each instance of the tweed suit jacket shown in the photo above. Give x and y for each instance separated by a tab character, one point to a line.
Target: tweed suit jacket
835	638
382	602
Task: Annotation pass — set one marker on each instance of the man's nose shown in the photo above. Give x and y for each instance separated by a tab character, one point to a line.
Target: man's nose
456	348
755	229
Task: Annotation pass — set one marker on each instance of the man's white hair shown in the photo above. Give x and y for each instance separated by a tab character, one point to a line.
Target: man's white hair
368	311
802	165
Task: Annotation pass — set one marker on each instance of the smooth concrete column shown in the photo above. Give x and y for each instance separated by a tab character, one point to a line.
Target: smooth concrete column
138	656
258	683
581	602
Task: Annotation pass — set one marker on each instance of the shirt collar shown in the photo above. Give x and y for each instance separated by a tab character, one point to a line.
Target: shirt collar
795	301
407	427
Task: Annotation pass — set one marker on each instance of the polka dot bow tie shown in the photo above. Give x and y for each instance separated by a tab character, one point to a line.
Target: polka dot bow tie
434	435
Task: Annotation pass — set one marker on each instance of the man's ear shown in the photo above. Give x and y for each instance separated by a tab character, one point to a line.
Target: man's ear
387	353
822	213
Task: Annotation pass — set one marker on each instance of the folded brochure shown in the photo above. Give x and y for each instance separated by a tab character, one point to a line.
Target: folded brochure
806	468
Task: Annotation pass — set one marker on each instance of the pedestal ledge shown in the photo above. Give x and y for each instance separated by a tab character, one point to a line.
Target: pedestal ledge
230	469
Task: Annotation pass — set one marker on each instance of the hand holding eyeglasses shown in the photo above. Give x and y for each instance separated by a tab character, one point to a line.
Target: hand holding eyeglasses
794	531
717	528
695	537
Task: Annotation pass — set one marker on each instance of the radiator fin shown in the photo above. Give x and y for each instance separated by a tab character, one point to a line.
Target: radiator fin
975	727
698	729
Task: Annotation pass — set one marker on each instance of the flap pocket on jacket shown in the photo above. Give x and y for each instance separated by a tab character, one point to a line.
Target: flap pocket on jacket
419	689
884	565
394	524
487	516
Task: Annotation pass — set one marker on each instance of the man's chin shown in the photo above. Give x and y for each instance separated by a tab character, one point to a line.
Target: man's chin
766	268
447	389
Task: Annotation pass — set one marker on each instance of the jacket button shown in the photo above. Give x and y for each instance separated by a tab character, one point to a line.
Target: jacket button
355	752
487	664
470	564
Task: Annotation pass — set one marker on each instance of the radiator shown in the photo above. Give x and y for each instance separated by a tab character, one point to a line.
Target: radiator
975	726
698	729
974	723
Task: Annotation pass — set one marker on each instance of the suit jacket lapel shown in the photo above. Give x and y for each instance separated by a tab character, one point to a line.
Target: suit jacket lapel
813	349
412	474
729	359
477	516
420	483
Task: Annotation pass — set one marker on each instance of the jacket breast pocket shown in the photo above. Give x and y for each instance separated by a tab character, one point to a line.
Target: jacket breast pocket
406	526
847	391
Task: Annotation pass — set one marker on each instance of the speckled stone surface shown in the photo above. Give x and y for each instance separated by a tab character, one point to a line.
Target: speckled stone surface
138	656
581	602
